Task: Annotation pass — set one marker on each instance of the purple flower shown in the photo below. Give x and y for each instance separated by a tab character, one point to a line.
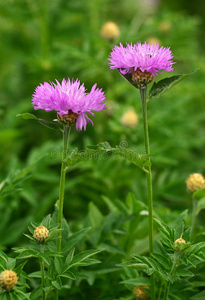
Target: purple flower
146	57
69	99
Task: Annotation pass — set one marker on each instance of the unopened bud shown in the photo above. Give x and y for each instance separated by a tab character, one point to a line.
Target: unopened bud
180	240
130	118
8	279
40	234
110	31
195	182
153	41
139	293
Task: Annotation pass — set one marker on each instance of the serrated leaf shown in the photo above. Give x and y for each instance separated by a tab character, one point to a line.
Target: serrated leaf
69	259
11	263
165	84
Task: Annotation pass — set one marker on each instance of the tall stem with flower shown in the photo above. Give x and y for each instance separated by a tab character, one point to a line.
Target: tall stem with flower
139	63
72	104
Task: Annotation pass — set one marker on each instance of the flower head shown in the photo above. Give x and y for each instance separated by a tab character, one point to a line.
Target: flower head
139	292
69	99
195	182
144	57
110	31
40	234
8	279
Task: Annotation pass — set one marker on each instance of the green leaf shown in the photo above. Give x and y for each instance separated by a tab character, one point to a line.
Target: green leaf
46	259
11	263
137	281
200	205
75	238
183	272
134	264
57	283
165	84
199	194
29	237
68	275
27	116
128	77
58	263
3	256
69	259
36	274
83	256
27	254
36	293
199	296
20	292
51	125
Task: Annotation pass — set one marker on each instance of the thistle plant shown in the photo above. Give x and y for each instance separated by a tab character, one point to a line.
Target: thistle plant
72	104
139	64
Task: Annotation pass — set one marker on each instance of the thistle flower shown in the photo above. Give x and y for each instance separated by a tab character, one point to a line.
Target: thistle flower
110	31
195	182
144	61
70	100
8	279
139	293
40	234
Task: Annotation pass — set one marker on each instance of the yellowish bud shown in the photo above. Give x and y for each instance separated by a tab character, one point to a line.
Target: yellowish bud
195	182
8	279
180	240
130	118
110	31
139	293
40	234
153	41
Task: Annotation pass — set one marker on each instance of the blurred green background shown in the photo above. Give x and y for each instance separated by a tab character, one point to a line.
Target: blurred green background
46	40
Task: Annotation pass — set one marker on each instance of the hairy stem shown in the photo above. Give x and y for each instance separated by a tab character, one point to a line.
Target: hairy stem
143	94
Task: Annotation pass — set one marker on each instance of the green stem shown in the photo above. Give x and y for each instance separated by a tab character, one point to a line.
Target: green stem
66	133
143	94
42	276
160	291
175	265
193	218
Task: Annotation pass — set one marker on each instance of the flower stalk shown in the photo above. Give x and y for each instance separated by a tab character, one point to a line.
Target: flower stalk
42	274
143	94
66	134
193	218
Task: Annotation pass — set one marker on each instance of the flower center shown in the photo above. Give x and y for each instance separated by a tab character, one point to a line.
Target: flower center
68	119
141	78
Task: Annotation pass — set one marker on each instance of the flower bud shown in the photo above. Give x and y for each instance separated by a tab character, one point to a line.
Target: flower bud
139	293
153	41
40	234
130	118
180	240
8	279
195	182
110	31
